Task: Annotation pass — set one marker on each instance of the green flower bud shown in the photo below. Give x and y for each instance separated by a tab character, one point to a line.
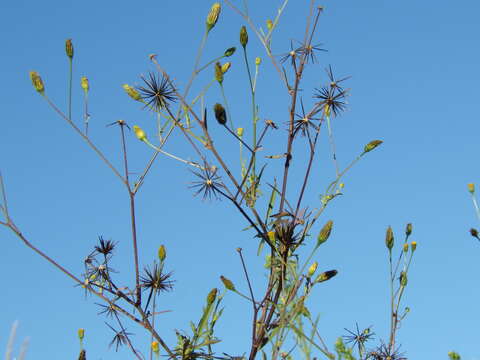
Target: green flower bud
312	269
324	276
139	133
213	15
134	94
408	230
258	60
405	247
372	145
228	283
226	66
220	114
474	233
269	24
218	73
37	82
389	239
162	253
324	233
240	132
69	48
212	295
243	37
229	51
413	245
81	333
452	355
84	84
403	279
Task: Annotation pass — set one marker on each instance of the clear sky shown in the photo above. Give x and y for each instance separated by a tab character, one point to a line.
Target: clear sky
414	68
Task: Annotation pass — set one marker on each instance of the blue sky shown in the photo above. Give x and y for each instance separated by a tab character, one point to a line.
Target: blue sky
414	68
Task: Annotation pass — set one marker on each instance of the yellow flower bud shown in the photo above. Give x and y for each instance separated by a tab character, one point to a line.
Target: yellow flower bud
134	94
326	110
69	48
413	246
240	132
271	236
325	233
405	247
212	295
213	15
155	347
372	145
269	24
312	269
228	283
162	253
84	83
471	188
81	333
226	66
139	133
258	60
218	72
243	36
229	51
389	239
37	82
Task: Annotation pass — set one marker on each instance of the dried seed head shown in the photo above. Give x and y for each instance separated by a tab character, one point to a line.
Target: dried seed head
81	333
155	347
408	229
327	275
258	60
240	132
312	269
37	82
213	15
226	66
228	283
471	188
372	145
229	51
220	114
69	48
243	37
132	92
139	133
84	84
162	253
389	239
212	295
324	233
413	245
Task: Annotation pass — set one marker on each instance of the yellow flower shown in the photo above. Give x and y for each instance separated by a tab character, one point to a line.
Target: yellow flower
471	188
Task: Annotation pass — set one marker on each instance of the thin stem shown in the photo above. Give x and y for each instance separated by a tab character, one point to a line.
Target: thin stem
70	61
332	145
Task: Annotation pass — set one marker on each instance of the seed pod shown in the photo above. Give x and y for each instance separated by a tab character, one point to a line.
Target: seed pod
229	51
213	15
325	233
228	283
218	73
139	133
69	48
81	333
155	347
134	94
212	295
312	269
372	145
162	253
413	245
226	66
258	60
220	114
408	229
471	188
389	239
243	37
37	82
84	84
324	276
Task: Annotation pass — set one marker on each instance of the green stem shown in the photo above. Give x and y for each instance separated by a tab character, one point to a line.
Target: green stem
70	88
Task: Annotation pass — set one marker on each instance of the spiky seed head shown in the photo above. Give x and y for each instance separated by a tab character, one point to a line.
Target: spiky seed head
326	275
474	233
240	132
405	247
139	133
132	92
82	355
69	48
37	82
218	72
213	15
228	283
408	229
243	36
413	245
226	66
403	279
220	114
84	84
471	188
230	51
325	233
258	60
312	269
389	238
81	333
372	145
162	253
155	347
212	295
269	24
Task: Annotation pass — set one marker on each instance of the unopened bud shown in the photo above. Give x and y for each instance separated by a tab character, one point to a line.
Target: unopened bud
218	73
226	66
243	36
372	145
139	133
405	247
474	233
155	347
132	92
82	355
312	269
403	279
37	82
408	229
228	283
413	246
162	253
212	295
220	114
69	48
269	24
471	188
81	333
213	15
389	239
84	83
229	51
258	60
325	233
240	132
327	275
